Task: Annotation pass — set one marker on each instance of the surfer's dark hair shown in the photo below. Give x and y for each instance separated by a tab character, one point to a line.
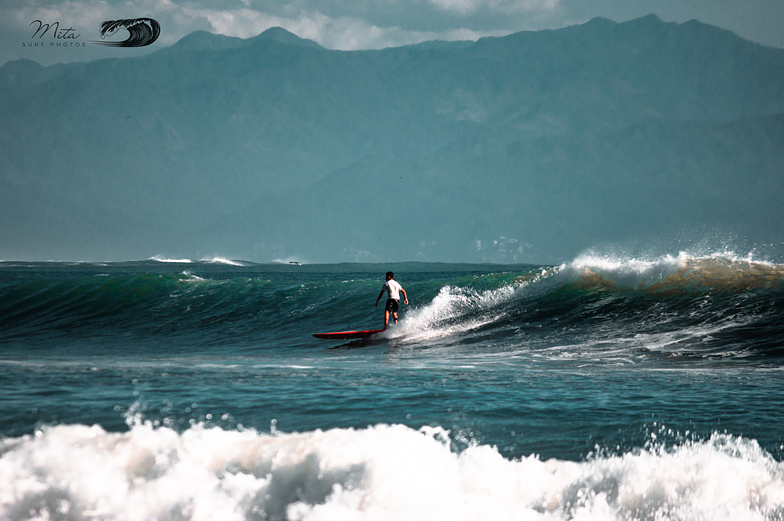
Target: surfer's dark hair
390	275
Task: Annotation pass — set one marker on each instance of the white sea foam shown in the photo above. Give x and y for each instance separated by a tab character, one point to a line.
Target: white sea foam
439	317
457	309
383	472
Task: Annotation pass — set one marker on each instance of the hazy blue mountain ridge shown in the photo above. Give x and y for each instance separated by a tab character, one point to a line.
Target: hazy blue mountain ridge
273	147
571	192
203	40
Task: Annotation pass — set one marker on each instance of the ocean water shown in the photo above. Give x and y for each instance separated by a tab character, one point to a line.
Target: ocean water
605	388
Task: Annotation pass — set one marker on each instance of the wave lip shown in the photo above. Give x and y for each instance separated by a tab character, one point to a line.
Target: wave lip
378	473
725	274
672	274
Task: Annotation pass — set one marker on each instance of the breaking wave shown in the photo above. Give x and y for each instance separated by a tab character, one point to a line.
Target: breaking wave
668	306
674	305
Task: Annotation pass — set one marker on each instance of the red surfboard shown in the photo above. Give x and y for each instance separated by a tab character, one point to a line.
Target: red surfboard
342	335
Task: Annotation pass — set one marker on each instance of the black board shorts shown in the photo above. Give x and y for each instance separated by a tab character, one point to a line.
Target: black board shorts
392	305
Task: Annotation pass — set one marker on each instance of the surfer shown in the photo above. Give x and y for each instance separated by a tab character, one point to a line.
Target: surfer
393	290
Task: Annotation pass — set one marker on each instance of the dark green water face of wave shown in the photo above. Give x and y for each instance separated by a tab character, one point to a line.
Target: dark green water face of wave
109	306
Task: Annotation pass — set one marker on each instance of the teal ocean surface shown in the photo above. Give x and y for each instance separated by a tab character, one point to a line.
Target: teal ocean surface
600	389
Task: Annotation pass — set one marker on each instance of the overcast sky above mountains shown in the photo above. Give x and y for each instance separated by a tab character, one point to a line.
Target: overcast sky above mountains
371	24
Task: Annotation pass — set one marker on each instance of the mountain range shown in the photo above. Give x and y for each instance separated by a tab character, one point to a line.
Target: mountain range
525	148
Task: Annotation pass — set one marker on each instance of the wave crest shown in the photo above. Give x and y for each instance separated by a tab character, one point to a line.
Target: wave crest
669	275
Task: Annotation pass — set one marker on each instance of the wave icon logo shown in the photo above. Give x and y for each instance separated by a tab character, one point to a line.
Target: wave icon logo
141	32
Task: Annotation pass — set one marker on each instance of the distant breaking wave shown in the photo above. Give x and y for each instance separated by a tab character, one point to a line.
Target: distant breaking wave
160	258
222	260
142	32
211	260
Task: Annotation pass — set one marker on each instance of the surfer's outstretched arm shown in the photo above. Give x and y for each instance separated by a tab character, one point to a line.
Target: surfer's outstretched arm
381	295
405	297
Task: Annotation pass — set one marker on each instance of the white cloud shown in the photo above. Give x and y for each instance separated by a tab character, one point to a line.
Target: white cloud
349	34
344	33
243	23
469	7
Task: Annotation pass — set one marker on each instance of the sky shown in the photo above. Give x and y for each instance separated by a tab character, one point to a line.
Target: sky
348	25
